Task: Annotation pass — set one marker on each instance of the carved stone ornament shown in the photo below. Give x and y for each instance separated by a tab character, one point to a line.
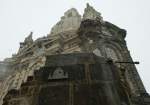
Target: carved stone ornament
91	13
58	74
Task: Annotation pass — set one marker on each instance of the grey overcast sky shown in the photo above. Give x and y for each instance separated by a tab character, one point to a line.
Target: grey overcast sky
19	17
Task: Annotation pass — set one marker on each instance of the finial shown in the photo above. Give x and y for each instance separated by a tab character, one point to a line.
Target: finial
29	39
87	5
31	33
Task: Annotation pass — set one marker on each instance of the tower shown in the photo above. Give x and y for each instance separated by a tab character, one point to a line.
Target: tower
83	60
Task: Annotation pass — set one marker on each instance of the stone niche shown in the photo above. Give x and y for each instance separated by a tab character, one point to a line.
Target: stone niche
71	79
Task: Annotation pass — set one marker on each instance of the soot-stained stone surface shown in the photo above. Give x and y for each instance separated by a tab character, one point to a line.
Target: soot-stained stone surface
71	79
70	72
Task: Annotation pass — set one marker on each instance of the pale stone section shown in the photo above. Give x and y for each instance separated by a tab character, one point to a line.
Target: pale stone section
91	13
15	80
97	52
70	21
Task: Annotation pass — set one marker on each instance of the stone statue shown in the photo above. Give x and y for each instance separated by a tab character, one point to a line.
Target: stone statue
91	13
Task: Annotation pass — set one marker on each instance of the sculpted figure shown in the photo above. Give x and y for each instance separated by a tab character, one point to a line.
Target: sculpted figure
91	13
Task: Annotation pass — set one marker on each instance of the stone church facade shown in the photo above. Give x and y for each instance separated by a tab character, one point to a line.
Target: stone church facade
83	60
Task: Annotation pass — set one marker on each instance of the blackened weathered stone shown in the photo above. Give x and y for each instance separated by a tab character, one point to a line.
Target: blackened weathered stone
91	80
